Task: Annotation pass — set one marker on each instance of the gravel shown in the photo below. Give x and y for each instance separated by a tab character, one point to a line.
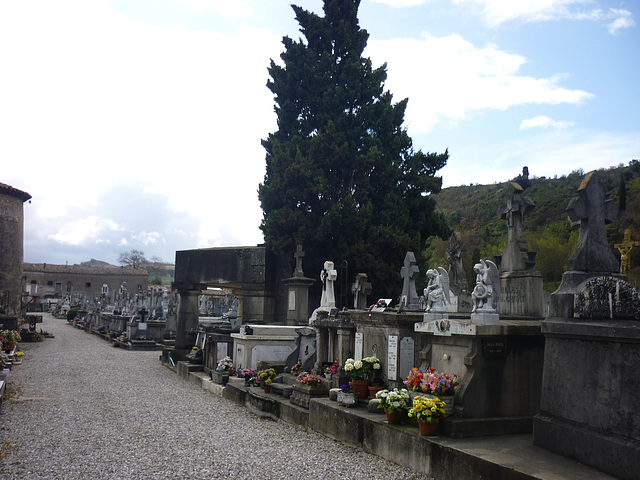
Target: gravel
78	408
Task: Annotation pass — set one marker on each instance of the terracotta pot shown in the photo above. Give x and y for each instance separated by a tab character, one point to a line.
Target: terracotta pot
360	387
267	389
374	390
395	417
427	428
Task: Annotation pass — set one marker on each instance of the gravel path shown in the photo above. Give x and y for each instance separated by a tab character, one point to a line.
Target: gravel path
77	408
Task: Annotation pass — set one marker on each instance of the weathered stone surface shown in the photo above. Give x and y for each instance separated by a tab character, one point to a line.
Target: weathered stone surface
607	297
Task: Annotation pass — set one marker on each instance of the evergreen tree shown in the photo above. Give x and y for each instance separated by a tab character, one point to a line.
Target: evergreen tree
341	172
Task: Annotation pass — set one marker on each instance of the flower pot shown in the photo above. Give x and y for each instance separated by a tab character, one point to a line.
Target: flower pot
427	428
373	391
395	417
347	399
361	387
447	399
267	389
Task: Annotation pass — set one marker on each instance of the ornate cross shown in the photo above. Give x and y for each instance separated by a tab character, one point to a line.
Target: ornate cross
298	256
409	273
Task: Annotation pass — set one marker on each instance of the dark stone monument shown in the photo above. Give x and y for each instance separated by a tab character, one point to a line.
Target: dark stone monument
590	390
409	300
298	292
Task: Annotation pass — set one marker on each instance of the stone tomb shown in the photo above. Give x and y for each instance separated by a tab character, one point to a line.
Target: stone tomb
268	343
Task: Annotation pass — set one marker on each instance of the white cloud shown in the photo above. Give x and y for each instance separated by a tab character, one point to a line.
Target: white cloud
401	3
226	9
542	121
84	230
449	79
622	19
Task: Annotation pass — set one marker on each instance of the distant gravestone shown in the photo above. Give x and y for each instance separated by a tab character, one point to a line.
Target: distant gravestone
407	353
409	272
361	289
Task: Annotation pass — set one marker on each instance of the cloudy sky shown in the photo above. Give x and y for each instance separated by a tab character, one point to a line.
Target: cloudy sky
136	124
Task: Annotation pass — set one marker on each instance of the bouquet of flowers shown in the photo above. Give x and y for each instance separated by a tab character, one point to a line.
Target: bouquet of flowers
266	377
247	372
393	400
308	379
331	369
427	409
361	369
10	337
226	363
435	383
297	368
414	379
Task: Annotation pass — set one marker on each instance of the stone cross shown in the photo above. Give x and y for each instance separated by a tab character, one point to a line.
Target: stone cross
409	272
591	211
328	277
625	251
361	288
515	252
298	256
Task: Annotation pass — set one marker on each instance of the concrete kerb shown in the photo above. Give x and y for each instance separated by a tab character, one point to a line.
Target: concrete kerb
504	457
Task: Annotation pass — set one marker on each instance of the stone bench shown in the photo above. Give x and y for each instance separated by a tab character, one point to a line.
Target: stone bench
283	389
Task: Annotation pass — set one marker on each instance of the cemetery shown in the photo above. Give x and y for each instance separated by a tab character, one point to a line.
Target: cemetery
508	366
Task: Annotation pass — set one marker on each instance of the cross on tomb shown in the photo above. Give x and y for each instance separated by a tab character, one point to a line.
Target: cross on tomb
361	288
409	272
625	251
591	211
514	254
298	255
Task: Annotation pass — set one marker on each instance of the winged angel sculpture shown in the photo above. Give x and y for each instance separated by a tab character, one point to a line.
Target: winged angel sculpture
487	289
437	291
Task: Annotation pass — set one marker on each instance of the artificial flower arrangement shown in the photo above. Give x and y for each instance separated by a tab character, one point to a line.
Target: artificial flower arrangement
266	377
396	399
226	364
297	368
308	379
361	369
10	337
331	369
431	382
247	372
427	409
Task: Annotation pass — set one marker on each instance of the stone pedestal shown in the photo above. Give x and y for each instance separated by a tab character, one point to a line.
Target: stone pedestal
485	318
522	294
302	394
269	343
298	300
589	409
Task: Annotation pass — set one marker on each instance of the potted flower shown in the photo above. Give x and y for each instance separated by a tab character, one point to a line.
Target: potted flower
428	412
226	365
9	339
247	373
414	380
394	403
441	385
346	396
377	384
265	379
306	378
297	368
361	372
331	370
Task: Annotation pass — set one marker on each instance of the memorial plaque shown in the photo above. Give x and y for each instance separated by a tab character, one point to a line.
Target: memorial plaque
292	299
495	347
392	358
407	347
357	355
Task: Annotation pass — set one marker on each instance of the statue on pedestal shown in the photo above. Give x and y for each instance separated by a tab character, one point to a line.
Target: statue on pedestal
487	288
437	291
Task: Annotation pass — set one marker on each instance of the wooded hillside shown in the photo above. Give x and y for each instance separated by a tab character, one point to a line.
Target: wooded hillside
473	213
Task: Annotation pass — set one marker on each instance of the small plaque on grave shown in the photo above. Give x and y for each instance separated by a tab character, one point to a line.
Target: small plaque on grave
292	299
142	326
392	358
406	356
357	355
495	347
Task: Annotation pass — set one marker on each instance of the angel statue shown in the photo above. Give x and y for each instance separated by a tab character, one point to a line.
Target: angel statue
437	291
487	289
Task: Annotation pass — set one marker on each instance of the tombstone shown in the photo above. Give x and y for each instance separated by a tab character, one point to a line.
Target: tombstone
305	349
521	284
592	350
298	292
328	278
485	294
409	300
457	275
361	289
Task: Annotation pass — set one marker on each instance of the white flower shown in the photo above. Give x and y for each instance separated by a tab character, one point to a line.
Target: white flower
376	366
348	367
357	364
